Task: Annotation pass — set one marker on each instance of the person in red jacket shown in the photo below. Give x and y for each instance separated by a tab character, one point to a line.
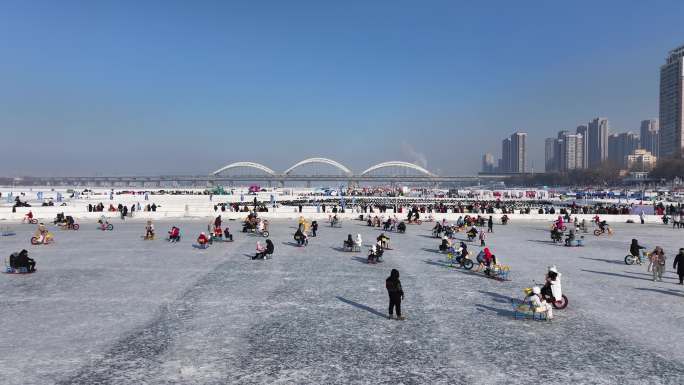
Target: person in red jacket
202	239
218	233
174	234
484	259
28	217
489	261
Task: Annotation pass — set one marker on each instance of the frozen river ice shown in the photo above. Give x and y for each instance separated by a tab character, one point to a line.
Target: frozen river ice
109	308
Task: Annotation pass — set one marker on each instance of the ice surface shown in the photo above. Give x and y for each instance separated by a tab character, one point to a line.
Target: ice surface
109	308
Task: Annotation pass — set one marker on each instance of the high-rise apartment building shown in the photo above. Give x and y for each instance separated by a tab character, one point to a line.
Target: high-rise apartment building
505	165
550	155
518	152
514	153
650	136
488	164
565	152
584	131
671	104
620	146
571	152
597	138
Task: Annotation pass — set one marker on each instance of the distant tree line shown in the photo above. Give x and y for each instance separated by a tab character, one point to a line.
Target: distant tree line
605	175
668	169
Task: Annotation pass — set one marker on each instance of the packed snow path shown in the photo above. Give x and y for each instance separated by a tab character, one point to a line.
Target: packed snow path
109	308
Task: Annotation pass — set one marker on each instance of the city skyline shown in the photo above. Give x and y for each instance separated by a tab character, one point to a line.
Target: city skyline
590	146
141	88
594	144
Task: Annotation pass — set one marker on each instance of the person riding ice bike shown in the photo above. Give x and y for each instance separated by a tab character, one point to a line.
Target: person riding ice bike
551	291
556	234
472	233
149	230
445	245
538	303
570	238
174	234
203	240
28	217
603	228
634	248
635	253
41	236
103	222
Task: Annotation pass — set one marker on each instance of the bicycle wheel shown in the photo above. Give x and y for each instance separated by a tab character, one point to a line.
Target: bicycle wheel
630	259
597	232
561	304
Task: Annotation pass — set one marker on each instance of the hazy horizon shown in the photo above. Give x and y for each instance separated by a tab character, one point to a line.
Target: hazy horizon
185	88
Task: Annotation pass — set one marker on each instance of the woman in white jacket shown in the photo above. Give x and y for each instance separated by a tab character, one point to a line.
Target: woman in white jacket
553	278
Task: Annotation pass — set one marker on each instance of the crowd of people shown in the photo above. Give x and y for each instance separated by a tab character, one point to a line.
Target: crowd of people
122	210
476	225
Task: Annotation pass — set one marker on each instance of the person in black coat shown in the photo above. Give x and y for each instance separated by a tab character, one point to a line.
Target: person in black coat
679	265
269	250
349	242
634	248
396	293
22	260
299	237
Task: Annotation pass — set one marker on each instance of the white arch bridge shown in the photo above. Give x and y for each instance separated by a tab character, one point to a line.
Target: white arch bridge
288	173
386	173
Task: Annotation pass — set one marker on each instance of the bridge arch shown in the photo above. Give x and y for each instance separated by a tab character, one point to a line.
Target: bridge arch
327	161
256	166
398	164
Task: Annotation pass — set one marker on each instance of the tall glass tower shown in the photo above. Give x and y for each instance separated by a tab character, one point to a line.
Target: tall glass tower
671	89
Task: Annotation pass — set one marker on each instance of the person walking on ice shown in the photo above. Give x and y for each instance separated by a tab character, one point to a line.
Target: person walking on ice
658	263
396	294
678	265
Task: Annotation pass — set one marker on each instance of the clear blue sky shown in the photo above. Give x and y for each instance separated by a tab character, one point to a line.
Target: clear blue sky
127	87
